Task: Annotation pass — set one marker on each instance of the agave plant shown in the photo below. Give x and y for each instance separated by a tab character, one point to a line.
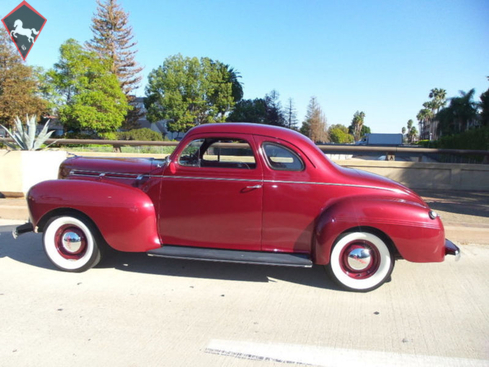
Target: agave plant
26	138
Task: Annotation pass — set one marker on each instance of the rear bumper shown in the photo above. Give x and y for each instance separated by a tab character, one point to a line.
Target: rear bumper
452	249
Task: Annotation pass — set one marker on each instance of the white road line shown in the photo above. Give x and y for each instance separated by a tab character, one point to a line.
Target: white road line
331	357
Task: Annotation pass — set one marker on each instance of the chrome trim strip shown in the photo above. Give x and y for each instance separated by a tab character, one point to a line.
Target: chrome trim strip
212	178
96	174
136	176
274	181
330	184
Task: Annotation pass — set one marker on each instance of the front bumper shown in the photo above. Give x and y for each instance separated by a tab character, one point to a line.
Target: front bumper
452	249
24	228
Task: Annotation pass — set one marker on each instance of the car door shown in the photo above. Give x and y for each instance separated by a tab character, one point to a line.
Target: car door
291	200
212	194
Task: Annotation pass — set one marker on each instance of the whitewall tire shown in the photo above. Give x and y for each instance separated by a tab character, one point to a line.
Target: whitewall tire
71	243
360	261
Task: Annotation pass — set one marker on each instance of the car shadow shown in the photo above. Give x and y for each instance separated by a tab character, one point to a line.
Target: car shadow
28	249
474	203
141	263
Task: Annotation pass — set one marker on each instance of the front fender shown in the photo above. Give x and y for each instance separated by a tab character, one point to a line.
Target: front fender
405	224
124	215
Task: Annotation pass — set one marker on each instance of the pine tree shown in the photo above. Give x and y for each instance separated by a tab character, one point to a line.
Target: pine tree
274	111
315	124
290	115
113	39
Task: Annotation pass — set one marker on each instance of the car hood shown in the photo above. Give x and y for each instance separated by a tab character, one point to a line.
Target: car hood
79	167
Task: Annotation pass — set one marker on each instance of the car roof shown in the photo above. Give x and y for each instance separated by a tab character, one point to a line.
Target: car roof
299	140
250	128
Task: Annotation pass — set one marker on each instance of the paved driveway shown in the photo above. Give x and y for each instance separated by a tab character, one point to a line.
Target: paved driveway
142	311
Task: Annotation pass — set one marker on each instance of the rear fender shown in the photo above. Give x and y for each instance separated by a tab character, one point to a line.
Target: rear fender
124	215
405	226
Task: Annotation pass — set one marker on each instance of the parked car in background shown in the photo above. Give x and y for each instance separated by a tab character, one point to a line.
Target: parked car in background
243	193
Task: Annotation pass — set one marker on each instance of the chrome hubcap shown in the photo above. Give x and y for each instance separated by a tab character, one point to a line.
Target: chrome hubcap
72	242
359	259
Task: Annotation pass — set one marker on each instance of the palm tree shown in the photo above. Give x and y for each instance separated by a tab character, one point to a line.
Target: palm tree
438	97
356	125
430	110
425	116
237	86
459	115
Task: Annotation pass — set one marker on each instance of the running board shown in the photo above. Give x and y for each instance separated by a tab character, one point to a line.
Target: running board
232	256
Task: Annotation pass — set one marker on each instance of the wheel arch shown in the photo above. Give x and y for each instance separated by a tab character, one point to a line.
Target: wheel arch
59	212
376	231
124	216
401	225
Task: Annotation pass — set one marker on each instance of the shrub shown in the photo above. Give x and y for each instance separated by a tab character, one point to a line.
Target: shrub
143	134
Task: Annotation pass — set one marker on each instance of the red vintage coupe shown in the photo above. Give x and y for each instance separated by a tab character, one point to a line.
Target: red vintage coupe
244	193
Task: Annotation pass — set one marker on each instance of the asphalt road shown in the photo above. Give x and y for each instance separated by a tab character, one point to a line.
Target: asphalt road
141	311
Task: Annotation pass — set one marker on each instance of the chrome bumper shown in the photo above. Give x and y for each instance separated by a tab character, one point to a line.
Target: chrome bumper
452	249
24	228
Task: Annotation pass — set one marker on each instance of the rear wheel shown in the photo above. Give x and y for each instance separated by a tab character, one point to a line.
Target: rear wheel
71	243
360	261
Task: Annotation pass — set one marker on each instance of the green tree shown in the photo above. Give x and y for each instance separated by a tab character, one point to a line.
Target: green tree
248	110
438	100
275	113
113	40
315	124
339	134
412	133
291	121
233	78
356	125
91	94
430	109
189	92
364	131
143	134
485	107
19	85
424	117
460	115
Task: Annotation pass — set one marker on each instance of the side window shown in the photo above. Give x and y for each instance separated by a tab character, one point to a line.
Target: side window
282	158
190	155
218	153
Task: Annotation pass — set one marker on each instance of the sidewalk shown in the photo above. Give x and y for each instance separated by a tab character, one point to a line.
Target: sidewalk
465	214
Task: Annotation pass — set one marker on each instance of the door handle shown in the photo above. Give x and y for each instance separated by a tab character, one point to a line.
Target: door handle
254	187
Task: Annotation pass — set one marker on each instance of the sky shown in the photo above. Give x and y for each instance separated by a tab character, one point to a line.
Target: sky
379	57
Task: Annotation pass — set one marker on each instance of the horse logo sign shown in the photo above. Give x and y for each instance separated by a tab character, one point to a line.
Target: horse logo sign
24	24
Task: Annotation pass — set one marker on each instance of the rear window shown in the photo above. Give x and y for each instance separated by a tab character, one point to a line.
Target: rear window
282	158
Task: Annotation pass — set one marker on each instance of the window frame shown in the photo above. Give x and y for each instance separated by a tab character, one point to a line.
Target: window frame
208	142
270	164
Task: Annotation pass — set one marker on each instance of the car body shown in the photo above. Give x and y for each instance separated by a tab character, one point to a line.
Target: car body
237	192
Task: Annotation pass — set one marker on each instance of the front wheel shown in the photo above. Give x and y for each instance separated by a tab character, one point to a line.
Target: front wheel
360	261
71	243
